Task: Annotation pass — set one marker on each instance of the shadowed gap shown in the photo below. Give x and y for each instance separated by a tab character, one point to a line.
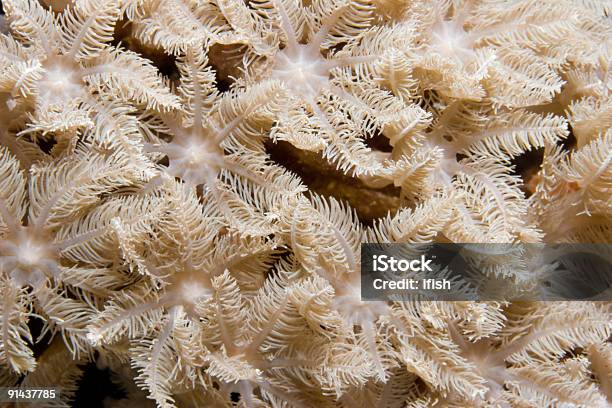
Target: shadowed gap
322	178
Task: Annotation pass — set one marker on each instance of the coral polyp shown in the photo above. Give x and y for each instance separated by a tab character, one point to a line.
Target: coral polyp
30	255
60	81
302	69
193	159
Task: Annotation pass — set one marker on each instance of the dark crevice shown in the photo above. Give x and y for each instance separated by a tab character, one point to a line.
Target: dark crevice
527	166
569	143
333	50
35	325
123	30
165	63
94	387
460	156
223	85
164	161
46	144
227	62
379	142
429	98
235	397
324	179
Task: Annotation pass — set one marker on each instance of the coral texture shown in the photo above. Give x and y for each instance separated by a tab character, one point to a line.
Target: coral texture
185	185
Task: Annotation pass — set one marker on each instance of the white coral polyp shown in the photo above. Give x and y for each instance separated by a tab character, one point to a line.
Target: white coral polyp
191	291
194	160
188	289
61	81
450	39
355	311
94	337
29	255
302	69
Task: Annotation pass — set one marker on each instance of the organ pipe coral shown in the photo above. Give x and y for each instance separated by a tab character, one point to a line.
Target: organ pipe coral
182	198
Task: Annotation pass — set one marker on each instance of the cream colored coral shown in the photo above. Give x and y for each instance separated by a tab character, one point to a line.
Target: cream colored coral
156	216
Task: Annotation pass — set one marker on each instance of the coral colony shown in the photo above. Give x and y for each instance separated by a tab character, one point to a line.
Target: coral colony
185	186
